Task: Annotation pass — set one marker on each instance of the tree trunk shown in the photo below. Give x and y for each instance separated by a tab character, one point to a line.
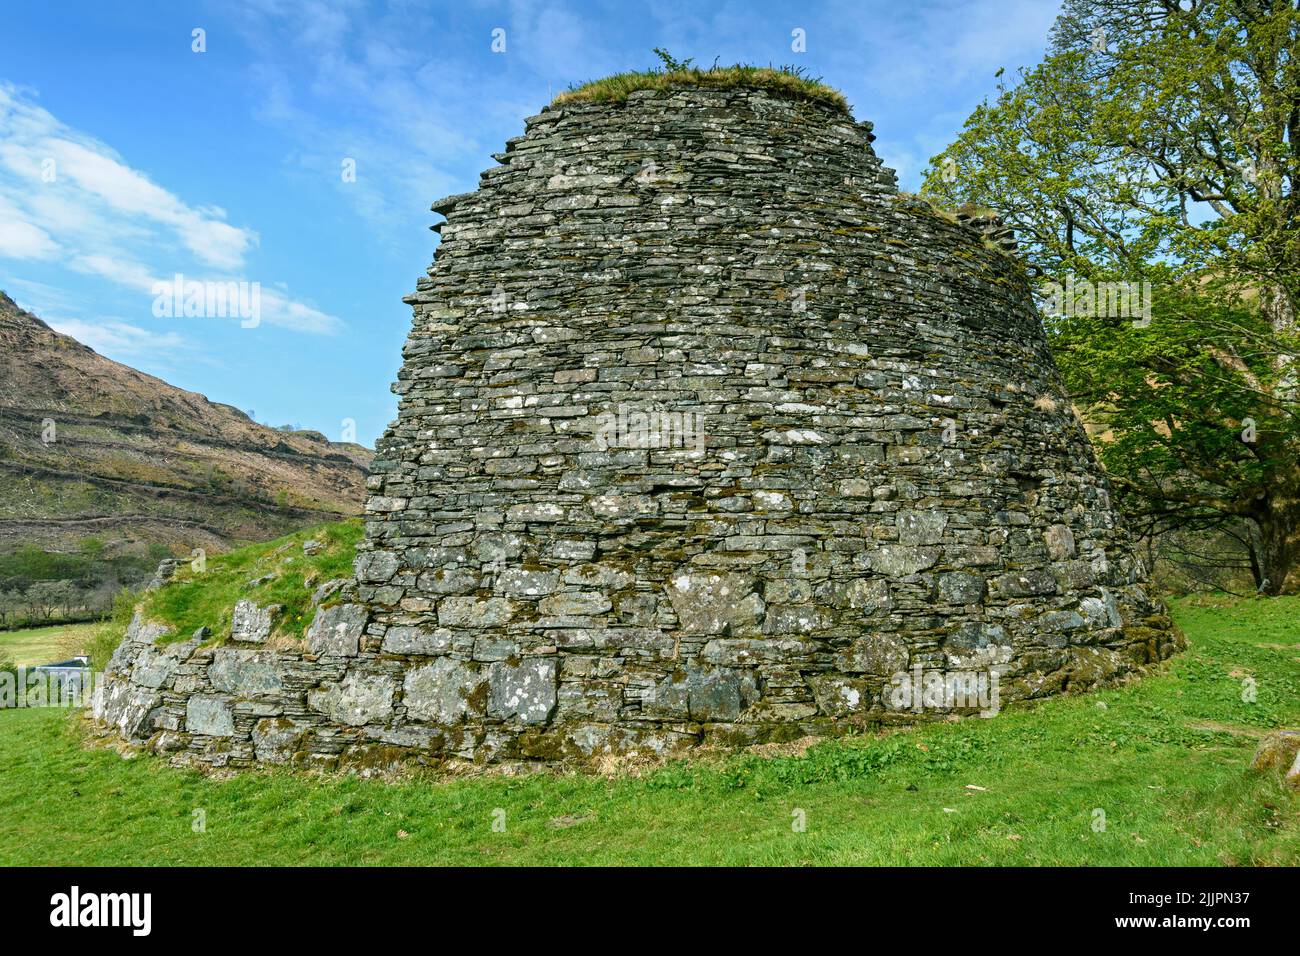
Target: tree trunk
1275	557
1279	308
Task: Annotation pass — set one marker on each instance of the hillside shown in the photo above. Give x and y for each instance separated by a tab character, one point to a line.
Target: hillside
138	462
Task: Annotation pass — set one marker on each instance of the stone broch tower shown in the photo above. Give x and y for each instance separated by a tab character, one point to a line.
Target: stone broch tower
705	433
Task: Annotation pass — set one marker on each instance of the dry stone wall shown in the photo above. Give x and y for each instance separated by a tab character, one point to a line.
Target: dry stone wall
706	435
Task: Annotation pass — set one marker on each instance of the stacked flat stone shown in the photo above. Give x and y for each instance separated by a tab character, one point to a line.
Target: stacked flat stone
887	474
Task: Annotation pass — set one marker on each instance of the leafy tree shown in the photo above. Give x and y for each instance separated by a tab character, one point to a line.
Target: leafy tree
1159	142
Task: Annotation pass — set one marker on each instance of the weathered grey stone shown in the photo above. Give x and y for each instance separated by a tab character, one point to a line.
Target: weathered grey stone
153	668
701	453
1101	611
867	595
921	527
749	651
899	561
162	576
879	654
521	582
129	708
495	648
974	636
277	739
525	690
1060	542
669	698
408	639
842	696
1028	583
718	693
441	692
358	699
337	630
600	577
575	604
375	566
495	548
209	716
327	590
449	580
245	673
543	512
474	612
1277	748
708	603
251	624
959	587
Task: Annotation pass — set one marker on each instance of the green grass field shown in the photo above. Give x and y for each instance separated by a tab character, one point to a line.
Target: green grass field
1164	761
46	645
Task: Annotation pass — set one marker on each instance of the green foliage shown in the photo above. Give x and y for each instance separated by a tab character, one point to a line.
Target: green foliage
124	602
670	63
44	586
1157	143
93	548
1175	416
29	564
86	567
1166	758
103	641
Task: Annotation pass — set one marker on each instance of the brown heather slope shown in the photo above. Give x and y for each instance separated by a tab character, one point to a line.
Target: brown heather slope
136	460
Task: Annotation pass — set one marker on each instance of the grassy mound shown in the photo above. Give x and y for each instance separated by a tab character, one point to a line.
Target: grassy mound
786	81
1153	773
270	572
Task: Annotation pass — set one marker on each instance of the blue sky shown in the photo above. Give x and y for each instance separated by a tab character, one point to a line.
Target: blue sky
127	158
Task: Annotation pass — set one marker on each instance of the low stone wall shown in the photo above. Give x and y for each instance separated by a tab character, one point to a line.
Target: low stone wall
351	700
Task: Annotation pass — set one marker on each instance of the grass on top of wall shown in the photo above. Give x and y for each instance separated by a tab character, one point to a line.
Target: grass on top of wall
269	572
786	81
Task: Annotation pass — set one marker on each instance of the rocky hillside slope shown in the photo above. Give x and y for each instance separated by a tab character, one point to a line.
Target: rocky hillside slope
132	460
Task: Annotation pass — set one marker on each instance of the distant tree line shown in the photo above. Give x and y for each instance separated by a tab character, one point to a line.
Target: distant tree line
49	587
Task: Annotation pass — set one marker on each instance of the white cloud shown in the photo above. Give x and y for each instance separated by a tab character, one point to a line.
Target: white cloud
122	271
276	308
20	239
291	314
126	191
68	197
120	338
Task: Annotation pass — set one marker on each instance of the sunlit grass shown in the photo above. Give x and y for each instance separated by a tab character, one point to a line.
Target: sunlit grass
785	81
28	647
275	572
